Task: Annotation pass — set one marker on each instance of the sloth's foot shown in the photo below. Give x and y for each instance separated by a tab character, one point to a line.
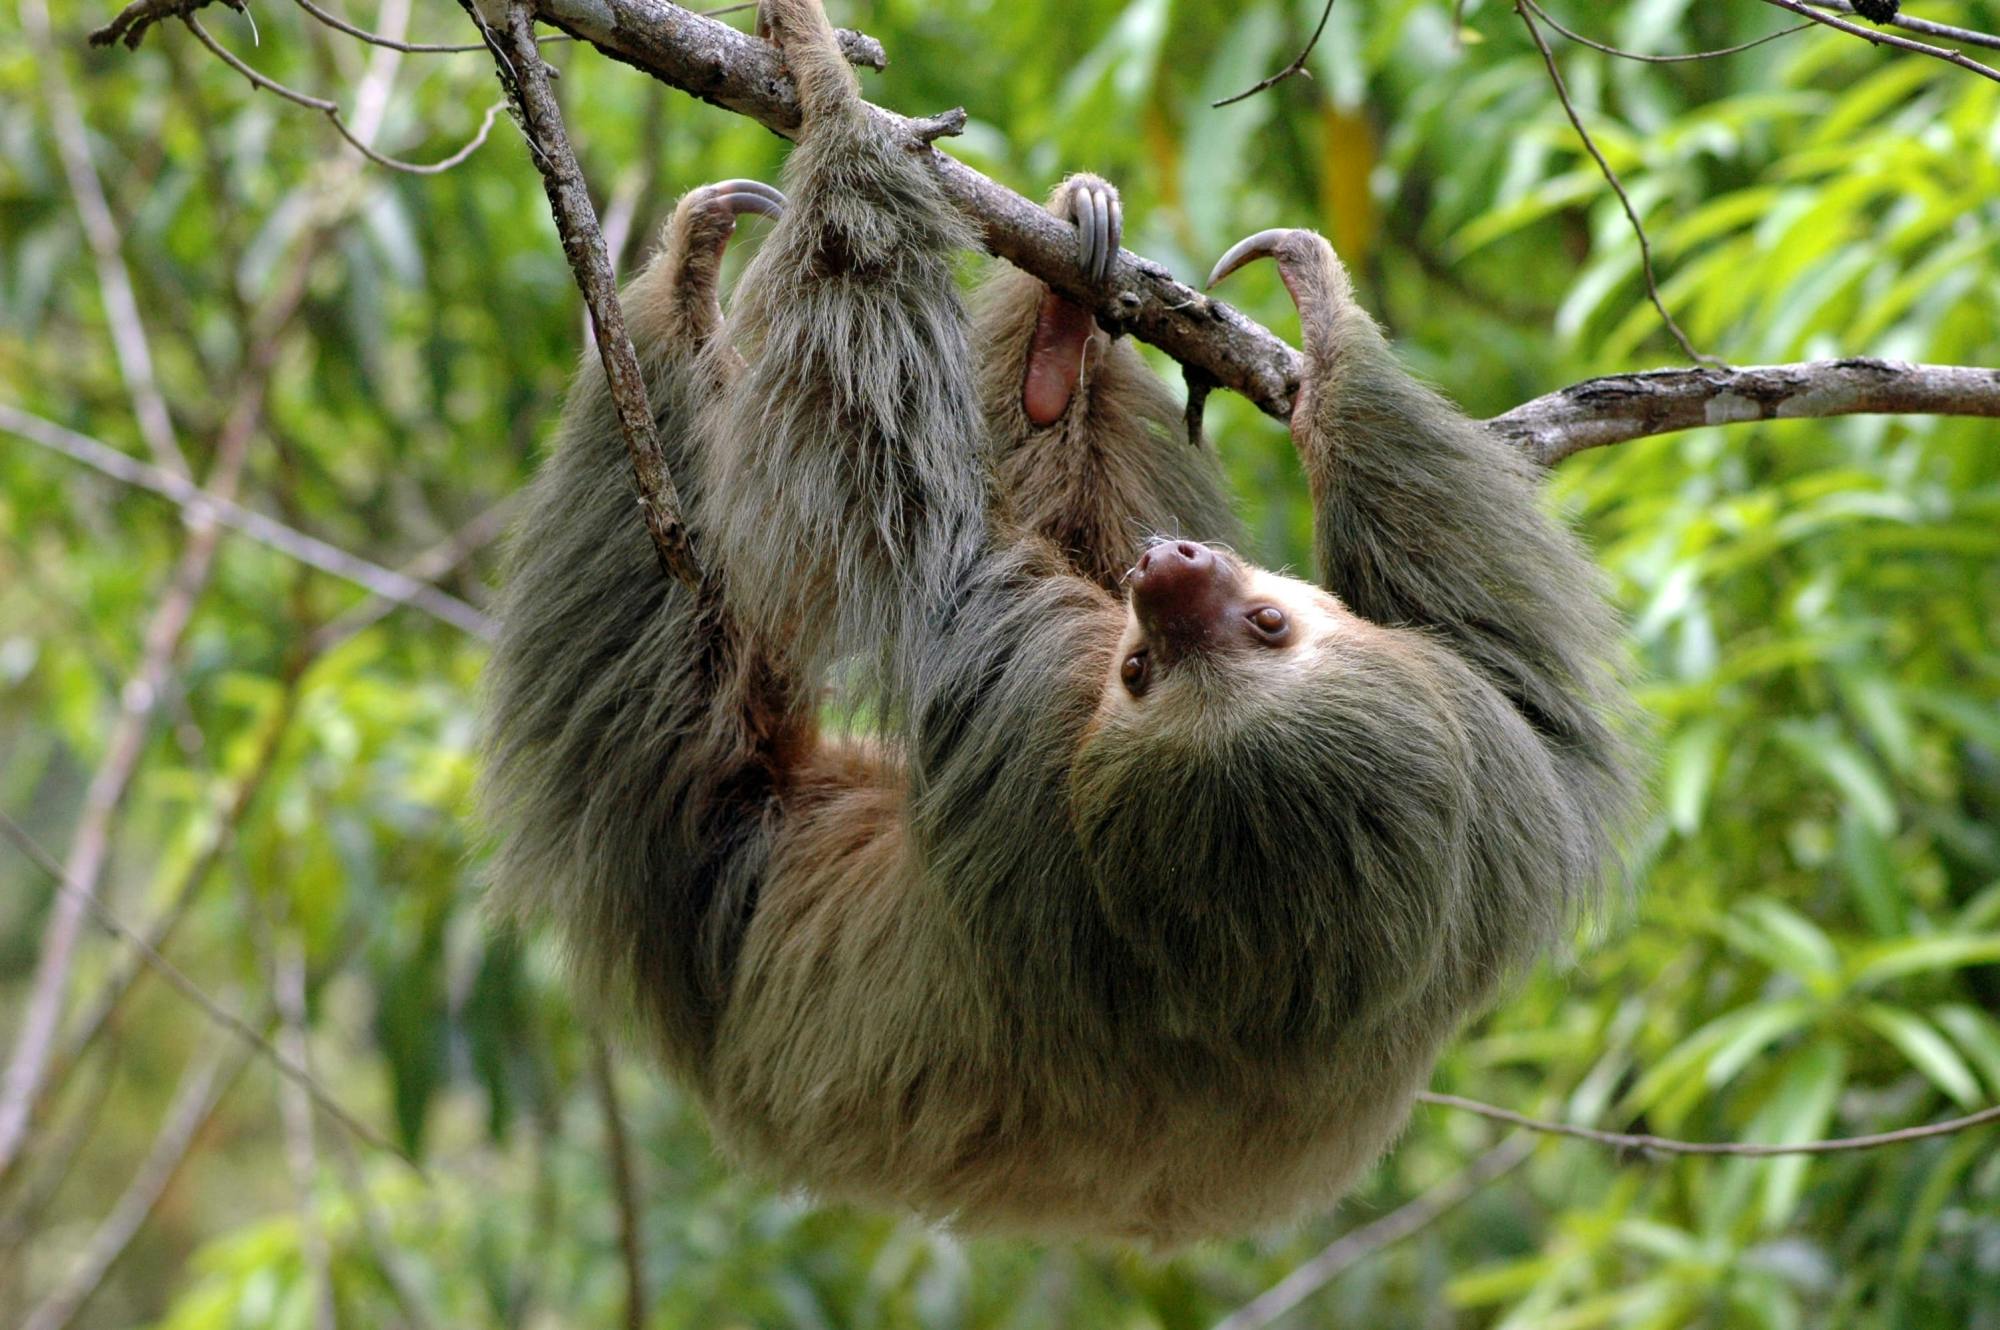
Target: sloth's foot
1063	328
1320	288
696	236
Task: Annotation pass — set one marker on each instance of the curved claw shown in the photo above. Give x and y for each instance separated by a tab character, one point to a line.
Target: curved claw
1263	245
1089	233
741	196
1114	231
1093	207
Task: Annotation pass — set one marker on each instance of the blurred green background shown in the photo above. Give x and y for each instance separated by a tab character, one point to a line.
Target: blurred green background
1813	947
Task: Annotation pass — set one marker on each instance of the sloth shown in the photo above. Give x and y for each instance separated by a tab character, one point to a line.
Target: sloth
1136	888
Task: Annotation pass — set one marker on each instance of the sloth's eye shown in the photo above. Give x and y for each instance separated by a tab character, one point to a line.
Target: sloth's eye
1270	621
1135	673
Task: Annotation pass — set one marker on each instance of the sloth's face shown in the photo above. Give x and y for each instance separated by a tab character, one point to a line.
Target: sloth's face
1206	633
1217	724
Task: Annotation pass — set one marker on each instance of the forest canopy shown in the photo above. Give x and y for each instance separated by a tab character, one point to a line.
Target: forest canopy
265	398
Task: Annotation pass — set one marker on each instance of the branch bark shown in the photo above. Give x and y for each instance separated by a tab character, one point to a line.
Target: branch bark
386	583
518	62
1618	407
735	71
1350	1248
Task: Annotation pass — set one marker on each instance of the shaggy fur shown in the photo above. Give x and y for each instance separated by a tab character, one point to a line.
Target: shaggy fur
1041	954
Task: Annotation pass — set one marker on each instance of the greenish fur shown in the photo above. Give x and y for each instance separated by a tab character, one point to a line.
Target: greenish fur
1032	957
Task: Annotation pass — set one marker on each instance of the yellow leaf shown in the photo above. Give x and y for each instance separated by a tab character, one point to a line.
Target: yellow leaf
1345	200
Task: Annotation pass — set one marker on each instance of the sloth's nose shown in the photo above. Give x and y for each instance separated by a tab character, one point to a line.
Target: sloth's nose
1183	553
1180	592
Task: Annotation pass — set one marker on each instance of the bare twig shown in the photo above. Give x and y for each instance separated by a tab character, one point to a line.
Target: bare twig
526	79
209	1007
1640	1143
201	1089
384	583
1617	186
389	1257
90	842
1877	37
1632	406
1929	28
125	972
1298	65
1623	54
331	110
428	566
624	1185
1349	1249
339	24
288	993
100	231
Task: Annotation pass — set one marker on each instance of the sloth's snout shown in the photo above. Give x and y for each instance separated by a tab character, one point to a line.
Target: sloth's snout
1181	593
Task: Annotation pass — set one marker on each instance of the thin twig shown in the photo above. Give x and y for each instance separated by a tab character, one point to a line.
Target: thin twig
331	110
1617	186
624	1185
201	1090
209	1007
526	79
124	973
1623	54
1928	27
1349	1249
288	994
428	566
114	279
339	24
1298	65
1877	37
1640	1143
384	583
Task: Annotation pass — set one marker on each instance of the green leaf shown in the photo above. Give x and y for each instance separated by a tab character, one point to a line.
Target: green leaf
1936	953
1847	768
1690	773
1871	875
1926	1049
1978	1033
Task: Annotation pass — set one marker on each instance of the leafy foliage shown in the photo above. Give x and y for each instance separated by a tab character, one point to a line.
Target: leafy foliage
1813	943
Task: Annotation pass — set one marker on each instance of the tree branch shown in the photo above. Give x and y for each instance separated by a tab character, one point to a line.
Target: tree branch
1878	38
385	583
1640	1143
737	72
1350	1248
733	70
1618	407
1911	23
518	63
